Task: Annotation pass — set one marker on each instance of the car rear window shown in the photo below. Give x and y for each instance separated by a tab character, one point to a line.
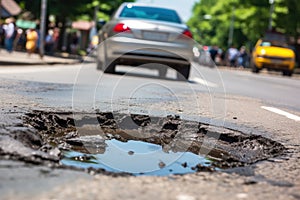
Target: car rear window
273	43
265	44
152	13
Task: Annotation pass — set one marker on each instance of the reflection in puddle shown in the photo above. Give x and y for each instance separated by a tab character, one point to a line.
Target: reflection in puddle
138	158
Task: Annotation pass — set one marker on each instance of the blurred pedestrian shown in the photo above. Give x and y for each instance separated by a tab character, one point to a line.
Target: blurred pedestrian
38	42
20	40
56	36
74	43
232	56
10	34
2	34
31	41
242	57
222	56
49	42
213	53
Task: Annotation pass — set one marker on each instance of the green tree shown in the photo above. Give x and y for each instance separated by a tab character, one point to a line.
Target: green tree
287	15
251	18
72	9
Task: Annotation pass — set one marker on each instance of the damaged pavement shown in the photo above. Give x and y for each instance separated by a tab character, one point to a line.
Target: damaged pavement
248	158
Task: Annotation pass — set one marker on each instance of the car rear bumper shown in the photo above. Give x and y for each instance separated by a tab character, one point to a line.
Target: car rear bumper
138	51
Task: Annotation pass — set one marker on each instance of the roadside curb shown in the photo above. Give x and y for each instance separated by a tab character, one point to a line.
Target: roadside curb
9	63
18	58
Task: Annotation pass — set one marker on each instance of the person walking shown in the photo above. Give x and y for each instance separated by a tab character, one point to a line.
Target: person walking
31	41
213	53
232	56
56	37
10	34
49	42
242	58
74	43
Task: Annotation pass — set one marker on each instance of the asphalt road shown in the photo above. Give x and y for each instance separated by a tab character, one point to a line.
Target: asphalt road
272	89
263	104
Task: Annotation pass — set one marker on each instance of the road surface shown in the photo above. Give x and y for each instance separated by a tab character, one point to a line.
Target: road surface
276	90
264	104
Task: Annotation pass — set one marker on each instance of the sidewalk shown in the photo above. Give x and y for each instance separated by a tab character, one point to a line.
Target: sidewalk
22	58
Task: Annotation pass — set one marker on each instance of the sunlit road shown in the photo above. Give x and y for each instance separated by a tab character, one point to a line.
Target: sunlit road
274	90
260	104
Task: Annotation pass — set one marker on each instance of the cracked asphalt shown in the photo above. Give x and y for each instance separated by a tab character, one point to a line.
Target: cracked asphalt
234	101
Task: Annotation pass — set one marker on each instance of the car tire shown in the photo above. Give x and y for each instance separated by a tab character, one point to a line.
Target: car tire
287	73
162	72
254	68
183	72
111	68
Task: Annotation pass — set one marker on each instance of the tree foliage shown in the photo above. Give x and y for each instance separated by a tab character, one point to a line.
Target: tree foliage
251	19
66	11
72	9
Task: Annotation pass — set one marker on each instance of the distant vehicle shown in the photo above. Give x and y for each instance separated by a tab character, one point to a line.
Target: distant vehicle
140	34
273	54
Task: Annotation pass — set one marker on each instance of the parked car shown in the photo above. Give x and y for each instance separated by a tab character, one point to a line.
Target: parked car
140	34
273	55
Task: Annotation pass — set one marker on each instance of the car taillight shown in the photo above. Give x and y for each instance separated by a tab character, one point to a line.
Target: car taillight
187	33
121	28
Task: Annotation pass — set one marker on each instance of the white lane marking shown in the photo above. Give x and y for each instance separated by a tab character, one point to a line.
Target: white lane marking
204	82
185	197
241	195
281	112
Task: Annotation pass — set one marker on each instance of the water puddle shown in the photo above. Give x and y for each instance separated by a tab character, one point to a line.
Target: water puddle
138	158
147	145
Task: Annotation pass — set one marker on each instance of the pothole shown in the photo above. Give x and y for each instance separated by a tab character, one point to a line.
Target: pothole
145	145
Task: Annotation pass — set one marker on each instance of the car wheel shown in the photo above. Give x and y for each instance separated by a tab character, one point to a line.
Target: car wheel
287	73
254	68
162	72
183	72
110	68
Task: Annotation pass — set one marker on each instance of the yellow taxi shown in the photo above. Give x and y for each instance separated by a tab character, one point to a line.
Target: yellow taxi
273	55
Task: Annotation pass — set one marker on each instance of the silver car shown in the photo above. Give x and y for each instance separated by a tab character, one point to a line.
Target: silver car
144	35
